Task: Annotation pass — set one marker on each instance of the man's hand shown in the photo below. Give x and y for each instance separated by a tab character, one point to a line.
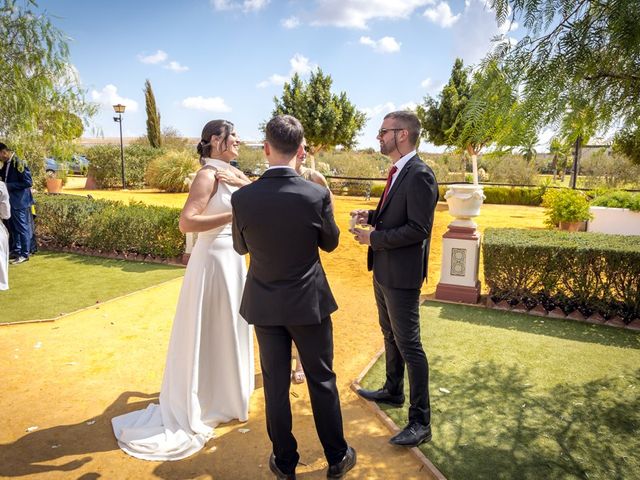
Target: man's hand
363	237
358	217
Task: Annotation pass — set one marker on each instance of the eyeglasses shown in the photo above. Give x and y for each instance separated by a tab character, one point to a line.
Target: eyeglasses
382	131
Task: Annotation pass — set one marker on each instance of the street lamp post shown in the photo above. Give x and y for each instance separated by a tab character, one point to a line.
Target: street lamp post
119	109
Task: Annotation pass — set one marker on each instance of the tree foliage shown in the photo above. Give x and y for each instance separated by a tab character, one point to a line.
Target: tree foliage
627	143
439	117
153	116
41	101
578	57
328	119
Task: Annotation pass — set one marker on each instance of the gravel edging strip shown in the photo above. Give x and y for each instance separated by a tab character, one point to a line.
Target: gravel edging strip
427	466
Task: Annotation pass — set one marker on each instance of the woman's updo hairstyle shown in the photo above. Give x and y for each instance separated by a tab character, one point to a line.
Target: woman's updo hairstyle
219	128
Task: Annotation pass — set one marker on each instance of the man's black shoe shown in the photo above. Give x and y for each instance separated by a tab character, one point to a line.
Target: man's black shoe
19	260
347	463
382	396
13	256
280	475
413	435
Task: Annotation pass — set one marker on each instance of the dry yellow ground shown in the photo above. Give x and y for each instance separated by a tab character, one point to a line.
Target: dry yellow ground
70	377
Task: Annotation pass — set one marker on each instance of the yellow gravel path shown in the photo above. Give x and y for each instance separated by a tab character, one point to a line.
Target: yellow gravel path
68	378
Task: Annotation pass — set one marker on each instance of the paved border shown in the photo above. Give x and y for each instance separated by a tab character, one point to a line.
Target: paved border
431	470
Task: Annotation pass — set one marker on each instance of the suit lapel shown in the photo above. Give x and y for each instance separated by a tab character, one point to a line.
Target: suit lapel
396	185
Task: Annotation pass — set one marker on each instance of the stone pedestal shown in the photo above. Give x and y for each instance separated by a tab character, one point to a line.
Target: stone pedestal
461	246
460	259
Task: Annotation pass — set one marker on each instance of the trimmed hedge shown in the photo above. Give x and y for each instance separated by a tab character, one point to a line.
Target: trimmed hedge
507	195
109	226
588	272
618	199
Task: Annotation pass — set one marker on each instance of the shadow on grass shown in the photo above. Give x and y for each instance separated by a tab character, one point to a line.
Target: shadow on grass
492	426
553	327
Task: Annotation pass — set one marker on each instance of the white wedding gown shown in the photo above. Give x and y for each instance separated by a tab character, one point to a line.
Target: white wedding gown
5	212
209	373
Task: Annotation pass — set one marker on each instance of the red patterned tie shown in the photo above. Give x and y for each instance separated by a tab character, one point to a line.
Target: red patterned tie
392	170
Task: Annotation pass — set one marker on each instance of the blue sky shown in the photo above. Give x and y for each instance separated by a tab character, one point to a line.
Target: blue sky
211	59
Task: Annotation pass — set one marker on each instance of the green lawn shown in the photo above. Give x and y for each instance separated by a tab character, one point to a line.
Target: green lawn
520	397
51	284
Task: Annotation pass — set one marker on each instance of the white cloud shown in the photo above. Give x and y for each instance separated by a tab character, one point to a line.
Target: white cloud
291	22
274	79
384	45
378	110
254	5
357	13
473	33
158	57
209	104
408	106
246	5
176	67
108	97
299	64
426	83
442	15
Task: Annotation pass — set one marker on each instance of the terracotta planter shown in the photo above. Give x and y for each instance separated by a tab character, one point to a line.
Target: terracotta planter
573	226
54	185
91	183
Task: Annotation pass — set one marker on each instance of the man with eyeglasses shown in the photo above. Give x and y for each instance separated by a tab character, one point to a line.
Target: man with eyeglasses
398	254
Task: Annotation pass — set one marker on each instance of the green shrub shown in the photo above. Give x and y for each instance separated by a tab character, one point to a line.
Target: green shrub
565	205
168	171
618	199
588	272
107	226
506	195
251	160
105	164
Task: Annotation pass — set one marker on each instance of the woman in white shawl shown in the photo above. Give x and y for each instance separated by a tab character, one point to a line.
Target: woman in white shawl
5	212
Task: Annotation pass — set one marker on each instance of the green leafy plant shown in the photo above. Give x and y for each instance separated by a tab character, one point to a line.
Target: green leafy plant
618	199
565	205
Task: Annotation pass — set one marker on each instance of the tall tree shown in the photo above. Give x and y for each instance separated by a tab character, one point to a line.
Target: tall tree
439	117
584	52
473	114
153	117
328	119
41	100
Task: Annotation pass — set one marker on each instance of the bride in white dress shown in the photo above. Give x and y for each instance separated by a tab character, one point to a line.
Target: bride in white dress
209	373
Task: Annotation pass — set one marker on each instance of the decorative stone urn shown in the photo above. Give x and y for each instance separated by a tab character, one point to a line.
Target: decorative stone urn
461	246
464	202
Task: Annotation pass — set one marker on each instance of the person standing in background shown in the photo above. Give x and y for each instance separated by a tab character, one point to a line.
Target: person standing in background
16	175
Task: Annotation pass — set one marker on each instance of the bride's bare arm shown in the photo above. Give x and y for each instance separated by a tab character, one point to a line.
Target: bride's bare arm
191	217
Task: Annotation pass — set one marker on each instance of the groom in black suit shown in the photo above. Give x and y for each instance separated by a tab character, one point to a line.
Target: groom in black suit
281	220
398	254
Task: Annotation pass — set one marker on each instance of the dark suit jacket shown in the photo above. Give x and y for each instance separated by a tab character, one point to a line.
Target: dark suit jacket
399	250
281	220
18	184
